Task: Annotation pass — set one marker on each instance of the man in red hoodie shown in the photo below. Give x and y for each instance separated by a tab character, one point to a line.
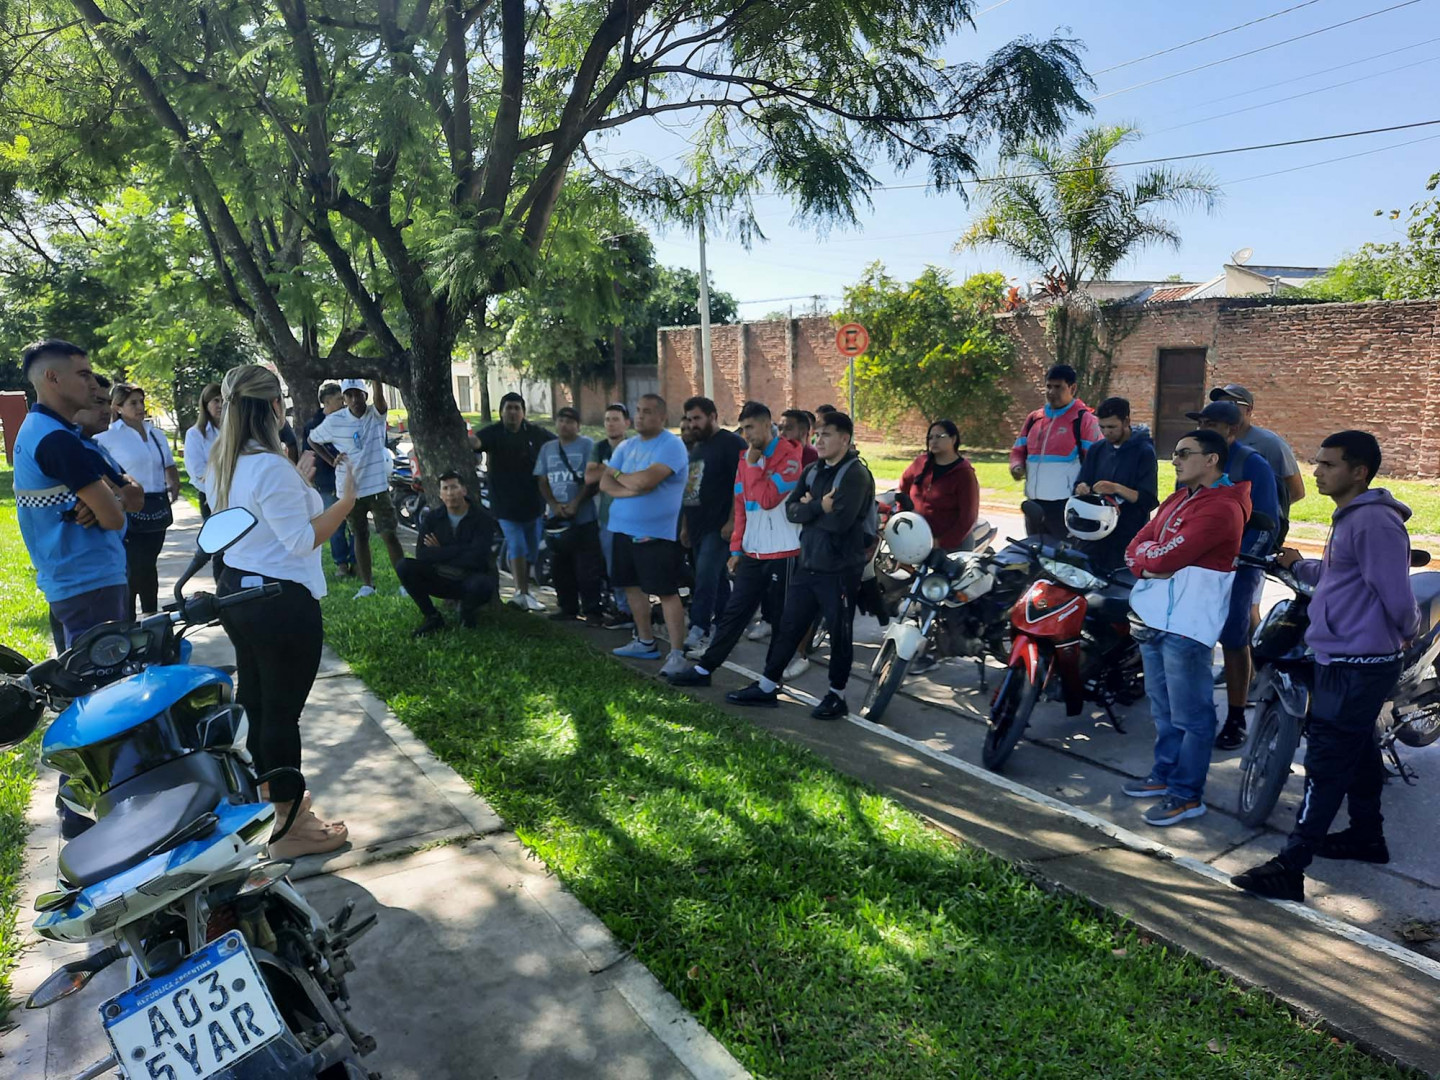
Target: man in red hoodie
764	542
1185	562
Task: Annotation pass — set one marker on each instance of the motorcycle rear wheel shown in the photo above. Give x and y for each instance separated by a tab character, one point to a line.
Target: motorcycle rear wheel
889	674
1266	764
1009	716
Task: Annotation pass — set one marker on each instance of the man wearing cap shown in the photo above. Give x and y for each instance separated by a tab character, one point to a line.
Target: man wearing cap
511	447
358	431
1223	418
570	519
1275	450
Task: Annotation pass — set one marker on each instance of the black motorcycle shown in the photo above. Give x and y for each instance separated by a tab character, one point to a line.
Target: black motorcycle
1285	679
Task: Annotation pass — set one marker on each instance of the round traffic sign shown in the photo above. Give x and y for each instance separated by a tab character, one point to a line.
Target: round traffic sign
852	339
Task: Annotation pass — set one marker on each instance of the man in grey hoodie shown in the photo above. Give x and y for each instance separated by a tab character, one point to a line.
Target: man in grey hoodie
1361	617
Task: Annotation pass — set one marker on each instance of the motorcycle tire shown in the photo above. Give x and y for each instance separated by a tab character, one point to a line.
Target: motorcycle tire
889	674
1009	716
1266	764
408	509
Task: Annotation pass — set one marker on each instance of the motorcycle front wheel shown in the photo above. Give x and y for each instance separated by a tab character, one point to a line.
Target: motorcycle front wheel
1009	715
889	674
1266	764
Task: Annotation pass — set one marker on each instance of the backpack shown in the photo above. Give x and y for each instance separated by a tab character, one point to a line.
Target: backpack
869	520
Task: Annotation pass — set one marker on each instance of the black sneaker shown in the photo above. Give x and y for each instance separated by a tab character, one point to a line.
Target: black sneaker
1349	844
1231	737
832	707
433	624
689	677
1273	879
595	617
754	696
617	620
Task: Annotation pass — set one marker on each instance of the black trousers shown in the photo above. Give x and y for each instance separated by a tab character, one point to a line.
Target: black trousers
578	566
142	554
755	583
1342	755
830	596
426	580
277	653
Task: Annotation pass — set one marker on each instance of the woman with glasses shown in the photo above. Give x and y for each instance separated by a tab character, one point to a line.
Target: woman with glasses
940	486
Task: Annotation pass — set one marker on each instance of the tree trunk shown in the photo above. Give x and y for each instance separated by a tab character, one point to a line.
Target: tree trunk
305	397
436	426
482	373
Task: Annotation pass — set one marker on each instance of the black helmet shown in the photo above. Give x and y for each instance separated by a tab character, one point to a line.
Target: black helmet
20	710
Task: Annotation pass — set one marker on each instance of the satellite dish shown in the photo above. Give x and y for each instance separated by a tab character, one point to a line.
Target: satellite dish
1243	256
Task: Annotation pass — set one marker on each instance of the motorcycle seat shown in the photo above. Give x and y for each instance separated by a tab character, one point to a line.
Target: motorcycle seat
132	830
1111	603
1427	589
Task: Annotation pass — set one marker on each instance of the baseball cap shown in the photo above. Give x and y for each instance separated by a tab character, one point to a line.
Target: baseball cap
568	413
1233	392
353	384
1227	412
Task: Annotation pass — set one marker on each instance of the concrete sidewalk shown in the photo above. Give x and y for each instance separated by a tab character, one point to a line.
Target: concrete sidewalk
480	964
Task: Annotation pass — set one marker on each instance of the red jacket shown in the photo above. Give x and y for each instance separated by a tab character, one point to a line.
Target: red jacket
950	504
1192	542
761	528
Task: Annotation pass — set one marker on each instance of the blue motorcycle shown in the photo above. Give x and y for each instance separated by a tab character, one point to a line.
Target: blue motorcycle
231	973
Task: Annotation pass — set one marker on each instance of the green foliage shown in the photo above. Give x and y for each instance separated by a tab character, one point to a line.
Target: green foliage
1404	270
1066	212
934	348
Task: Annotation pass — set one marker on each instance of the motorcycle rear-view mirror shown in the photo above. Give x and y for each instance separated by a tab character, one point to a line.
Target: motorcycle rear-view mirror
1419	559
223	528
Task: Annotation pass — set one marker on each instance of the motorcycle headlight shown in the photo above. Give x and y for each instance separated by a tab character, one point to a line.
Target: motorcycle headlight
1070	575
935	587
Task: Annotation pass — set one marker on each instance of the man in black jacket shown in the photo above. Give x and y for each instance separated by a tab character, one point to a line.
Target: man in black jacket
452	557
1122	466
834	503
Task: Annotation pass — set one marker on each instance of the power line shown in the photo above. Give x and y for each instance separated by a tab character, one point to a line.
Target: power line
1328	161
1292	97
1207	37
1261	49
1300	78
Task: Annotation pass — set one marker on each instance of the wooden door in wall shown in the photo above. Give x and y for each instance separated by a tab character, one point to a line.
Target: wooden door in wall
1179	388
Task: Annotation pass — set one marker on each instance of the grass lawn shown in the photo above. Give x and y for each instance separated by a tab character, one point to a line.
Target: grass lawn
815	927
26	619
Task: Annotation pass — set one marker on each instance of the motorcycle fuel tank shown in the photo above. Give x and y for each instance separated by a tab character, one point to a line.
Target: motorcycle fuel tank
1049	610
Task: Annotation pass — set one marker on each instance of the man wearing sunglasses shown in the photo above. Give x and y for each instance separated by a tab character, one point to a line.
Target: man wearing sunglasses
1185	559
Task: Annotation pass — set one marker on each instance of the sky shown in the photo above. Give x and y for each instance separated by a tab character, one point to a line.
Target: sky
1307	217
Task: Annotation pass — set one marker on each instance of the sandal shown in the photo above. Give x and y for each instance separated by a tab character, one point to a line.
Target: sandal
310	836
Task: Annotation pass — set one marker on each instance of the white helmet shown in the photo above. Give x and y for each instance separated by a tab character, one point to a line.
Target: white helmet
1090	517
909	537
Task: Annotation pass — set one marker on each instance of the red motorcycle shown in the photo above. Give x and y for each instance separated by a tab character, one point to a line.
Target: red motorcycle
1070	631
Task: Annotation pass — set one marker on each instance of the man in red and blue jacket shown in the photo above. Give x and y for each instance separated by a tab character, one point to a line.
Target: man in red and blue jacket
1050	449
764	542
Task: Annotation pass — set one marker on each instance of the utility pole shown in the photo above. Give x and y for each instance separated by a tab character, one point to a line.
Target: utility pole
708	366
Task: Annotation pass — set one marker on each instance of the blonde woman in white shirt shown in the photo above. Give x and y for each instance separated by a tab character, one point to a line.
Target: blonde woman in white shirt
277	640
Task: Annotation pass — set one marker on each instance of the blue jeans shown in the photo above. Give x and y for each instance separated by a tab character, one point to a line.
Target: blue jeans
1181	688
522	539
342	543
607	546
712	582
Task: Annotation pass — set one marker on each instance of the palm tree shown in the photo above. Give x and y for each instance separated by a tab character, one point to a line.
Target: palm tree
1065	210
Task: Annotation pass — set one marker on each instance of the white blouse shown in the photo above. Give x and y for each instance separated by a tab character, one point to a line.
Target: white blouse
197	452
282	543
144	457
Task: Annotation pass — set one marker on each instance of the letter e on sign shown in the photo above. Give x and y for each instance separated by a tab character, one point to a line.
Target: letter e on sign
852	339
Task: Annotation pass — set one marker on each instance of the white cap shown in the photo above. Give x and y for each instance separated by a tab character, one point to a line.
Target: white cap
353	384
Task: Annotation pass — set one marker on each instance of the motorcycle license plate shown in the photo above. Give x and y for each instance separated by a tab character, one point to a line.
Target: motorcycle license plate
197	1020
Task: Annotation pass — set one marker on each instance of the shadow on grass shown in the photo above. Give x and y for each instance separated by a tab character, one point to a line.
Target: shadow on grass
814	926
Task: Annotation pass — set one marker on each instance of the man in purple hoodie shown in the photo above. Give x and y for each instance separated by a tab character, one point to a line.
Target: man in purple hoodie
1361	617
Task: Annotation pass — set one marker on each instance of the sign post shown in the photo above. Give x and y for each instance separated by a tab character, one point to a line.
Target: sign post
852	340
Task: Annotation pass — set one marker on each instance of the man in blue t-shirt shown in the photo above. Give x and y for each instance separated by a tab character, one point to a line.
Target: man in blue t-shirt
647	476
578	565
70	517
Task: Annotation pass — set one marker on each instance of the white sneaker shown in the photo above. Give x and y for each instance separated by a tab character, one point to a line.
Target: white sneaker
758	632
797	667
694	638
365	590
518	600
697	650
532	603
675	663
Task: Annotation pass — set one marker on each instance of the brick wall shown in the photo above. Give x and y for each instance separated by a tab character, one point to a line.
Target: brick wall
1313	368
